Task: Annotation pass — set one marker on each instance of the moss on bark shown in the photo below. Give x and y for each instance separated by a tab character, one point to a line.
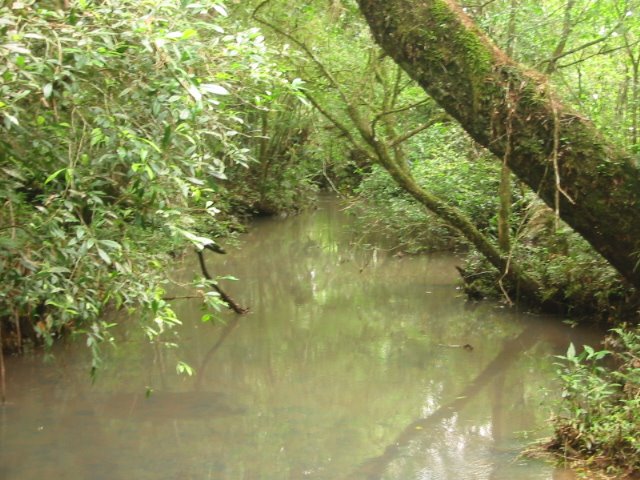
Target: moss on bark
440	47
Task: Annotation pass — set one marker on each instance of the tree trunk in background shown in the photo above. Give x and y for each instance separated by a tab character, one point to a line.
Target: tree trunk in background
635	94
439	46
504	192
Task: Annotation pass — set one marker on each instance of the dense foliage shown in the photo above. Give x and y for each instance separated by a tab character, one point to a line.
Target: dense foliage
600	421
445	163
120	120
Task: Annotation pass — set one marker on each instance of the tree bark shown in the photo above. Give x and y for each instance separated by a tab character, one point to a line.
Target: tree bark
504	191
439	46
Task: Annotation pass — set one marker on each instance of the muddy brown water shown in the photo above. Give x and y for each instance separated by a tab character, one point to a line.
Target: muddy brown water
345	368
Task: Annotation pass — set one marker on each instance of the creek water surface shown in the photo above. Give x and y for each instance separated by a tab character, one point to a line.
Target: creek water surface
349	366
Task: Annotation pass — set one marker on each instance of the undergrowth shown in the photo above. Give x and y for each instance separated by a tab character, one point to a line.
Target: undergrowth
568	269
599	421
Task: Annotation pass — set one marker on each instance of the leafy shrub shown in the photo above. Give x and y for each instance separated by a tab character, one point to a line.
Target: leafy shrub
389	215
442	162
600	420
119	119
564	264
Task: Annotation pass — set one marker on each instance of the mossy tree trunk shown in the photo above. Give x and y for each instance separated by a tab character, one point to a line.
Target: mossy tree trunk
594	185
504	192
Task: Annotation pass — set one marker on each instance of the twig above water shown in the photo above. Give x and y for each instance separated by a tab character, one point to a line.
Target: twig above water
233	305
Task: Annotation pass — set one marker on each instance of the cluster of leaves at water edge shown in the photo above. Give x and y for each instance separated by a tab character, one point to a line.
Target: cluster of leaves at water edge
600	419
562	262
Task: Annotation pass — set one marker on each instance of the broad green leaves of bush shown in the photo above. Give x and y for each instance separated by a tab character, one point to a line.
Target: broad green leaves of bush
600	416
118	120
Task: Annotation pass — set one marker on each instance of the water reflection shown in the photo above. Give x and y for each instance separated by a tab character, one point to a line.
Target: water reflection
338	371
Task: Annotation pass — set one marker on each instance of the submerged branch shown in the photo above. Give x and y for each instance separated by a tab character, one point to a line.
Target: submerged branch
403	138
227	299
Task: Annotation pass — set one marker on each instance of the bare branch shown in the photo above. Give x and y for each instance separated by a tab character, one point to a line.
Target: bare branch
403	138
182	297
227	299
557	56
401	109
600	52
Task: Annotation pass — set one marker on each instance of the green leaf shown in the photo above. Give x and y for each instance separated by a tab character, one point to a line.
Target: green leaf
571	352
188	33
11	119
196	181
589	351
152	145
198	241
97	136
183	367
13	173
601	354
68	175
104	256
221	10
213	88
58	270
53	176
15	47
111	244
194	92
47	90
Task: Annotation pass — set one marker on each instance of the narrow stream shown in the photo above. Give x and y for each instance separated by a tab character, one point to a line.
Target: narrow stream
345	368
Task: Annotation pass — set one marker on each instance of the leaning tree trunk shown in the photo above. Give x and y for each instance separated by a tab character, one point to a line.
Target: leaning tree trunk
512	112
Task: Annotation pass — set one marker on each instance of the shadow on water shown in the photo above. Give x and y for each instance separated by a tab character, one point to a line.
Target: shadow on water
511	349
340	370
